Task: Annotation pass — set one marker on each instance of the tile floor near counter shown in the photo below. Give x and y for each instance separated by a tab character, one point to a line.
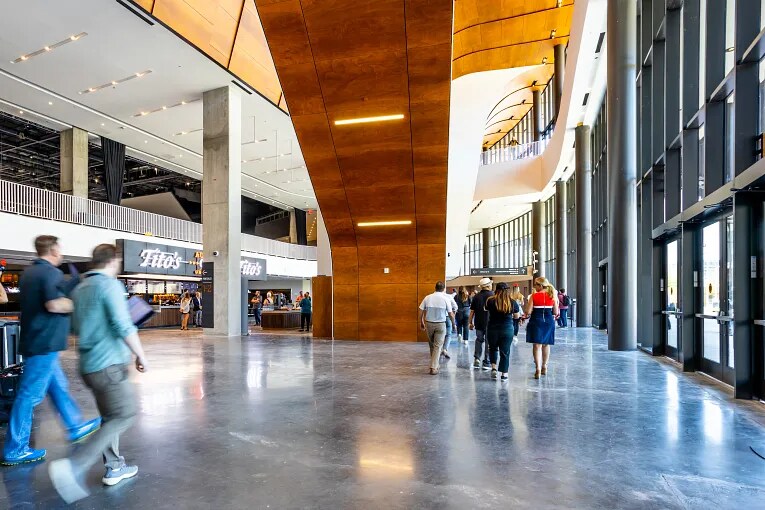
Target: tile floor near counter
287	422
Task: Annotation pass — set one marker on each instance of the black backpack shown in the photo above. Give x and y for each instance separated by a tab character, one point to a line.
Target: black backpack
566	300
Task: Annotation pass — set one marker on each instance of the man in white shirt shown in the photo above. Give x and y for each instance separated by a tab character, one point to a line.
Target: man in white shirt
434	310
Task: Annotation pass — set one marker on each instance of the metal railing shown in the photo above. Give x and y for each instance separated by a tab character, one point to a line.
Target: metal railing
513	152
51	205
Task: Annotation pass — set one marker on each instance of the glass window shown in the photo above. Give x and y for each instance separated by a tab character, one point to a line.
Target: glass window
729	144
702	161
671	292
730	35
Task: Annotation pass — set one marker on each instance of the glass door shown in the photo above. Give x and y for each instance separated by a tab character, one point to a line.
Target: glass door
717	300
671	308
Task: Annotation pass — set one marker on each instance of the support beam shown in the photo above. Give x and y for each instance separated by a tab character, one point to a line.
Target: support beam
537	236
622	161
583	228
74	162
559	52
222	203
536	114
747	225
486	247
561	244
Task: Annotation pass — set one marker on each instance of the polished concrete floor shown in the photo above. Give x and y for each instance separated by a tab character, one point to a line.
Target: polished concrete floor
272	421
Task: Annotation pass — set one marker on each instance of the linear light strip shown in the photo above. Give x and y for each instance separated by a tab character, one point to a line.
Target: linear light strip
383	223
163	108
364	120
49	48
183	133
114	83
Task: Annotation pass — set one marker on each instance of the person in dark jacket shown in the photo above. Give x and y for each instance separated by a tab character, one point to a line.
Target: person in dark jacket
45	310
463	300
305	312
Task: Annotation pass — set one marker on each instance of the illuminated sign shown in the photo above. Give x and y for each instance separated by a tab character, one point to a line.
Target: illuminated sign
250	268
160	259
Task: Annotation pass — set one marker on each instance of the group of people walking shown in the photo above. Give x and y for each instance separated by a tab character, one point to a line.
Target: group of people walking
94	306
496	317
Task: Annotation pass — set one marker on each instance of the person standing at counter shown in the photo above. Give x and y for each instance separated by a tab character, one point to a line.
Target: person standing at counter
196	306
185	310
305	312
45	310
257	307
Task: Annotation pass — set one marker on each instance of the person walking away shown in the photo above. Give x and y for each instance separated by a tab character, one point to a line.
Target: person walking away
478	320
185	310
500	332
542	308
196	306
463	313
434	310
451	326
106	338
45	310
305	312
563	303
517	296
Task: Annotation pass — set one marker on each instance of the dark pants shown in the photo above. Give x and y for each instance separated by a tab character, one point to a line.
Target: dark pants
258	316
305	321
516	326
563	321
500	339
115	398
463	325
480	339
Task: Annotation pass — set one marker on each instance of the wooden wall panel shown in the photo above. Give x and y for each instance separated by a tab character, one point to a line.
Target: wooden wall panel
370	58
321	299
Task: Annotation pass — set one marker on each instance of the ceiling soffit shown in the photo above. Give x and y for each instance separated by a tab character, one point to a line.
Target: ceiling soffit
331	69
229	32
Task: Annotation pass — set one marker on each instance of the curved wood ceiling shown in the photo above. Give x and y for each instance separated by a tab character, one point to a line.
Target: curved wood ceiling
505	34
346	59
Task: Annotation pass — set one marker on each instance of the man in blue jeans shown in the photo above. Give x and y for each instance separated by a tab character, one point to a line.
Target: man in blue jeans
45	310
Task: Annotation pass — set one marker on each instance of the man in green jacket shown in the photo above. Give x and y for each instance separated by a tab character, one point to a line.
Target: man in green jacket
107	336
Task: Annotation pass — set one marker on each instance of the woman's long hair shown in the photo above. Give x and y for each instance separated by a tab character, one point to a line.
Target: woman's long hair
503	299
517	295
547	286
463	294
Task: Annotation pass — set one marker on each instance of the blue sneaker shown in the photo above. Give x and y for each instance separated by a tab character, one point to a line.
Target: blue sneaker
84	430
115	476
28	455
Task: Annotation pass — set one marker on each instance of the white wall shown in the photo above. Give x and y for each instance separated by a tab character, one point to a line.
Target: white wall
17	233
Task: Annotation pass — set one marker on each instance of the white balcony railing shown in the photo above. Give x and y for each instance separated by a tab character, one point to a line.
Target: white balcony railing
513	152
50	205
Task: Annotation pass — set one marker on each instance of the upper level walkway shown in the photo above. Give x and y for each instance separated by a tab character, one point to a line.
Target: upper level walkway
295	423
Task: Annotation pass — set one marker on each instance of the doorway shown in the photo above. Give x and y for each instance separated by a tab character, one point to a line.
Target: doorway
603	299
671	303
716	341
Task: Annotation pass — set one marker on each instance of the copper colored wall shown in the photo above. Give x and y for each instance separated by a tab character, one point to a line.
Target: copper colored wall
340	59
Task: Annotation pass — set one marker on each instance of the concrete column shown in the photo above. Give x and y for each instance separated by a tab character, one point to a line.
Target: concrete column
323	250
536	114
583	228
293	228
560	73
537	236
486	247
561	244
74	162
622	168
222	203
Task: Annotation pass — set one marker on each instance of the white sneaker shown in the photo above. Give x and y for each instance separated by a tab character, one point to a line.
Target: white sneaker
62	475
115	476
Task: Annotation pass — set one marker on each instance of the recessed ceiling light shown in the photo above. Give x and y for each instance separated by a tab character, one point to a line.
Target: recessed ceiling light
21	112
544	60
47	49
383	223
145	141
552	33
102	124
50	103
364	120
165	107
184	133
114	83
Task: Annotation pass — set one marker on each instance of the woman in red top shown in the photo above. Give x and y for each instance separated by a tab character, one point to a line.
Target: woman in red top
542	309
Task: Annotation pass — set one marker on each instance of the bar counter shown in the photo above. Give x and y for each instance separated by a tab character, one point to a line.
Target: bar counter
164	316
281	319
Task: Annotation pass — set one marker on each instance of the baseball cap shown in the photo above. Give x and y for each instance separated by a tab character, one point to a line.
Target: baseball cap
501	286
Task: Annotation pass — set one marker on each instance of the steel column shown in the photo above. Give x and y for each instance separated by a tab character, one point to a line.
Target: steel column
536	114
537	234
622	161
486	247
561	245
559	53
583	228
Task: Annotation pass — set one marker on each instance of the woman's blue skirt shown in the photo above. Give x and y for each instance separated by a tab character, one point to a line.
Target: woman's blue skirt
541	327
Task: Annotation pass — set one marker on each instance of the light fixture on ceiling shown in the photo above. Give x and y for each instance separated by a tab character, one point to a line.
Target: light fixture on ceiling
144	113
363	120
560	3
544	60
184	133
50	103
49	48
383	223
552	33
114	83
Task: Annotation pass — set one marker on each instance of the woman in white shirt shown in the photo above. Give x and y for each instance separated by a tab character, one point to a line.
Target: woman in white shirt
185	310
